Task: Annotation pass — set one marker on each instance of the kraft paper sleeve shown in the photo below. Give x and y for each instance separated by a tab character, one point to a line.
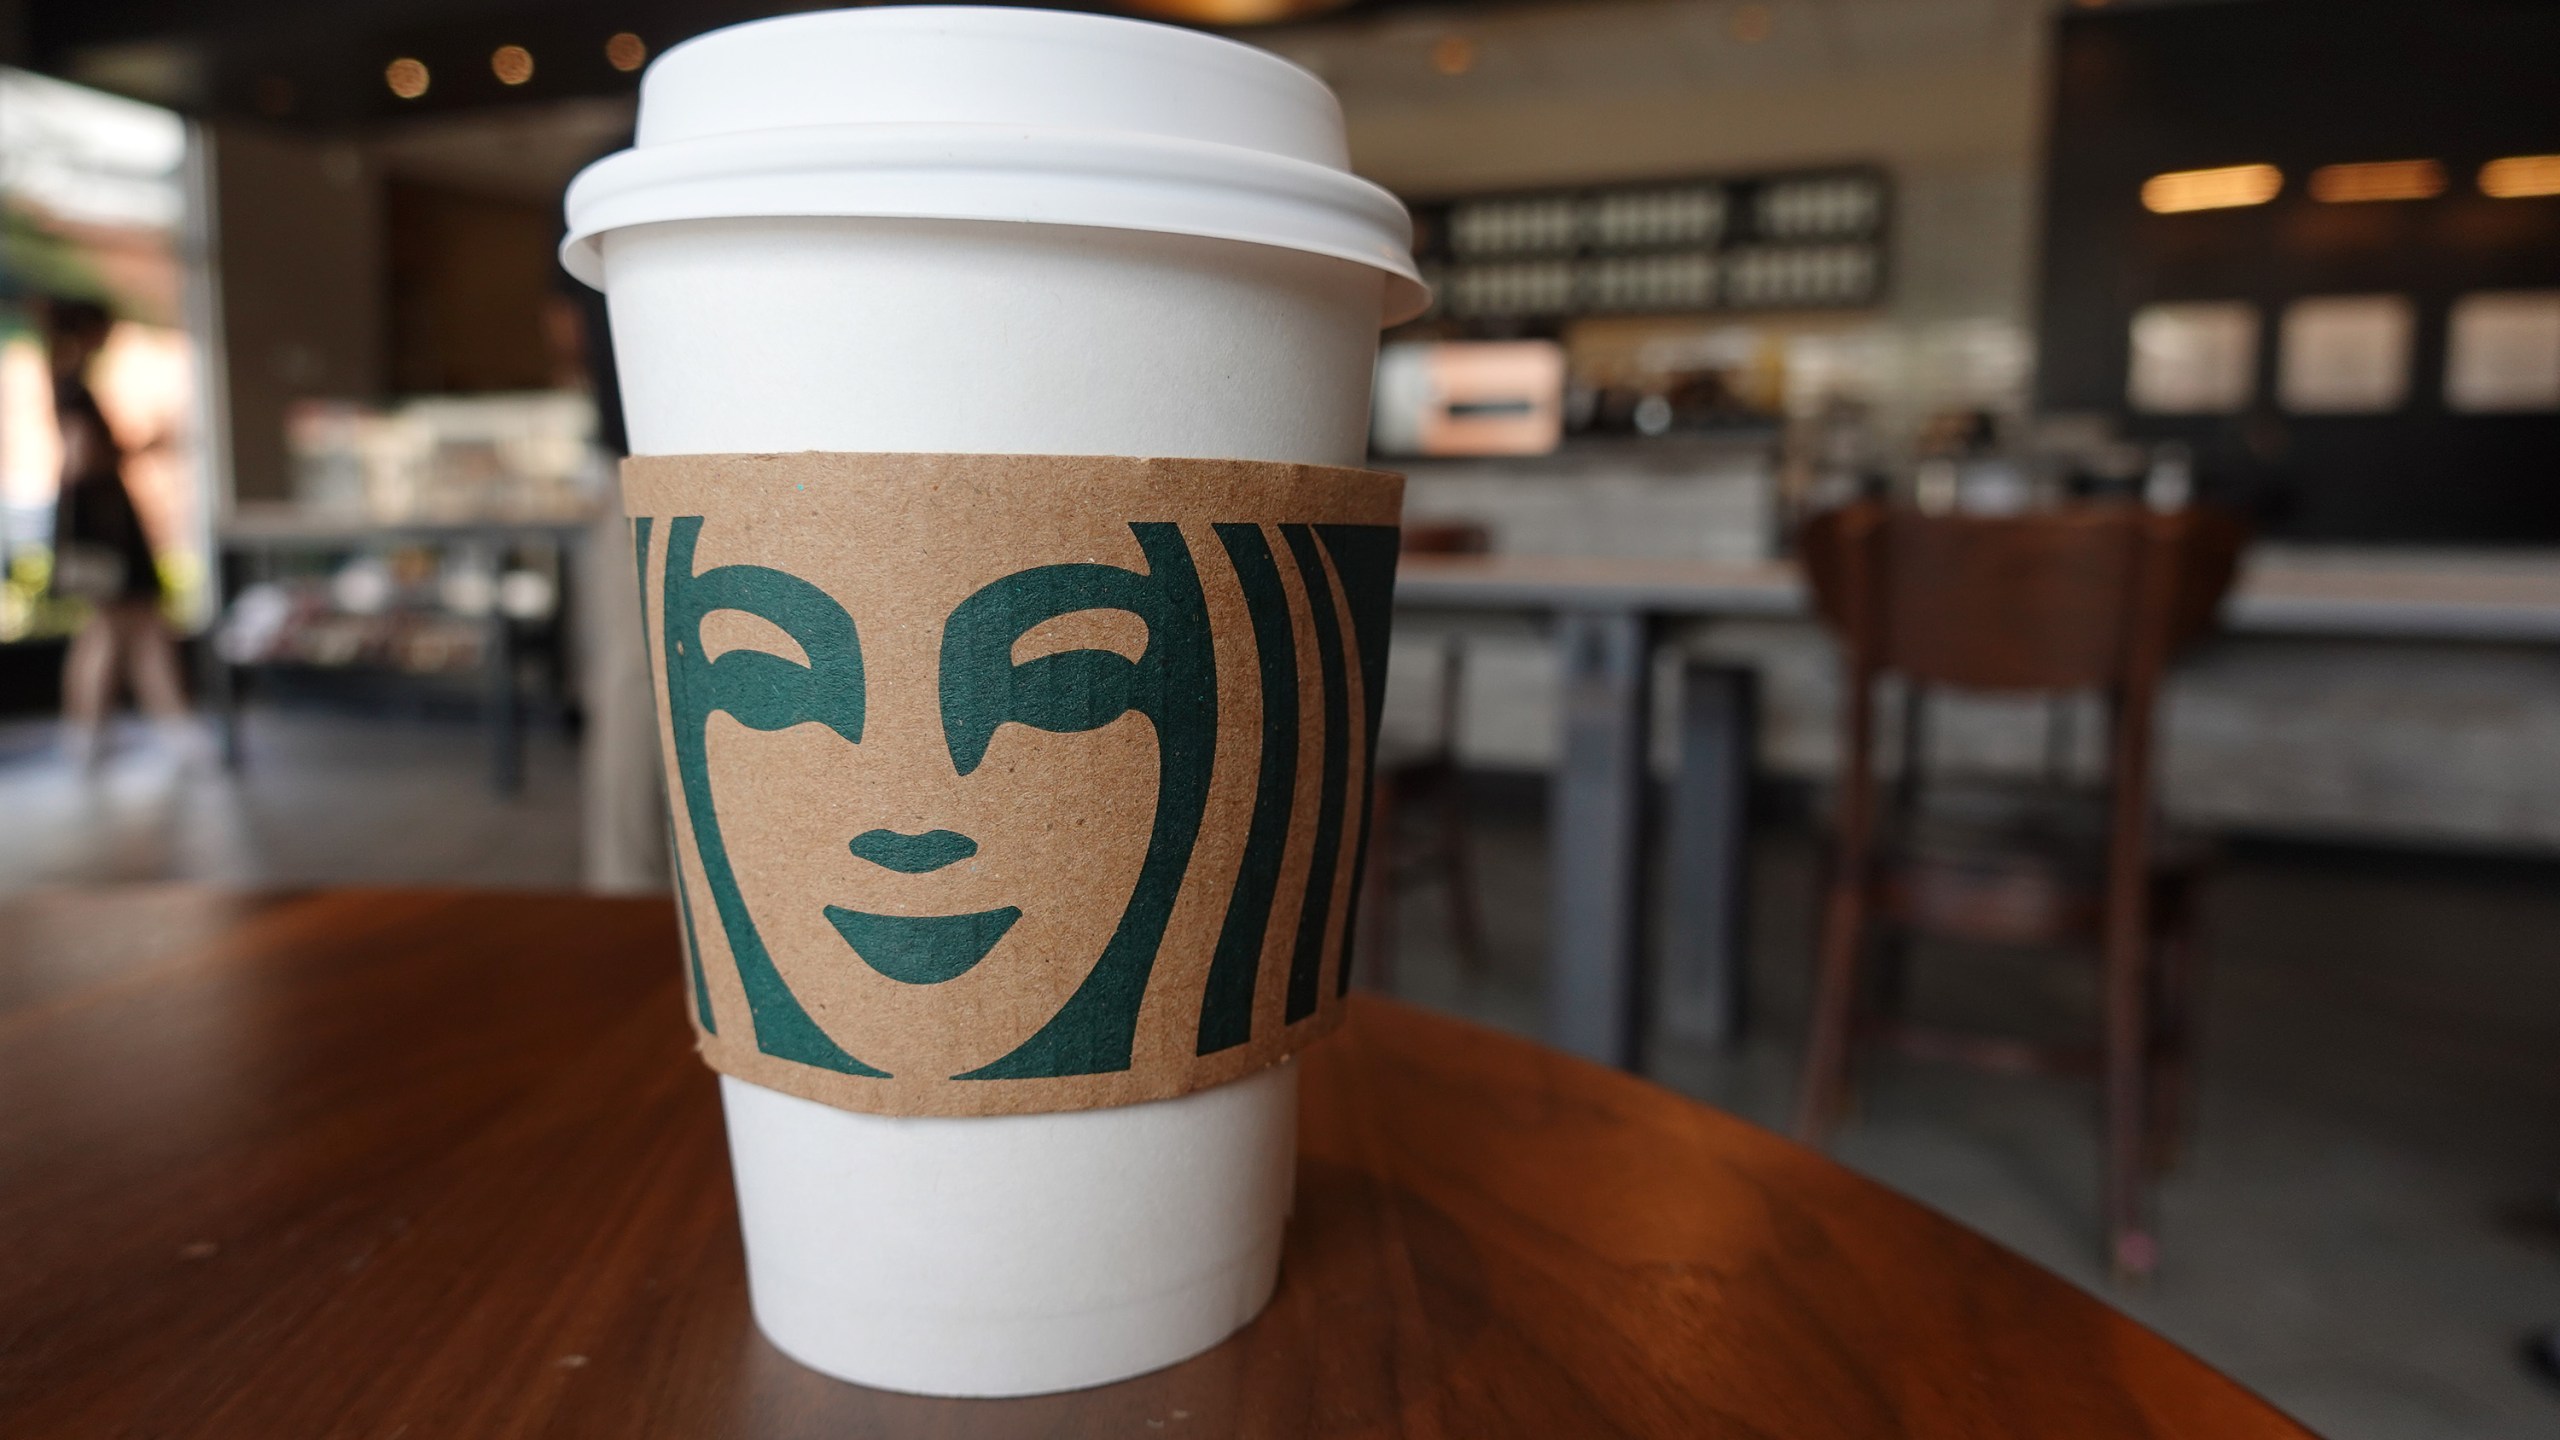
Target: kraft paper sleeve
1006	783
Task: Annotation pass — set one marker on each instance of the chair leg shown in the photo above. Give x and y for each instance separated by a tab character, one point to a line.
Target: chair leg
1458	874
2173	1028
1824	1089
1376	940
2132	1250
1893	972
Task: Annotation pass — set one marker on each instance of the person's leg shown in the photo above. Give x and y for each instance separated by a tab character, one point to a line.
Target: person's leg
88	684
153	660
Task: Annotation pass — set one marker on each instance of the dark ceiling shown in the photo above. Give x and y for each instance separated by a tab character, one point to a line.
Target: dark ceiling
321	63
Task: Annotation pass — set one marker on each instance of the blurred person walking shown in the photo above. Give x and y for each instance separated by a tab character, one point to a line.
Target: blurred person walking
102	557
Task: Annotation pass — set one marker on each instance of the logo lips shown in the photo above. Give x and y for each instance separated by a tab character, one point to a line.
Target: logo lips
913	854
922	949
919	949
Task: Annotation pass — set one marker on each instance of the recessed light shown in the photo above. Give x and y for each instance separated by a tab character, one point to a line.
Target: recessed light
2378	180
406	77
2519	176
2223	188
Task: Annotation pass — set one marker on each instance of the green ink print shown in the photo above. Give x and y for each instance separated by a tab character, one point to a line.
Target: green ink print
641	529
1364	557
762	692
922	949
1174	684
1226	1002
692	945
913	854
1306	966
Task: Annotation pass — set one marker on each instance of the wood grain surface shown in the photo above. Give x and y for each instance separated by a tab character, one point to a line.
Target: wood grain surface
409	1164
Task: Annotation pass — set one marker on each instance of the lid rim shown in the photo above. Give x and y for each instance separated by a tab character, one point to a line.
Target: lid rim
1124	180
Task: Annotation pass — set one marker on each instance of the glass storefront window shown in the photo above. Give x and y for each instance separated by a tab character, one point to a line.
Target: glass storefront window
94	206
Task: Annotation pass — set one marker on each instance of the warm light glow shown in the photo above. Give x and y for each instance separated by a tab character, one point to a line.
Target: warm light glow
1751	24
1235	12
1453	55
2378	180
626	52
2519	176
512	64
2222	189
406	77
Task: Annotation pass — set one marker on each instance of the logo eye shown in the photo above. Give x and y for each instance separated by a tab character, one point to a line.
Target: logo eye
1114	632
727	630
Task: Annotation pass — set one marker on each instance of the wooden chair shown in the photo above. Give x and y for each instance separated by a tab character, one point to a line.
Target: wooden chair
1422	770
2095	598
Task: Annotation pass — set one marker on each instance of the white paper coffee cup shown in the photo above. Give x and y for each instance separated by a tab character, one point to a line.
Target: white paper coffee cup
1020	232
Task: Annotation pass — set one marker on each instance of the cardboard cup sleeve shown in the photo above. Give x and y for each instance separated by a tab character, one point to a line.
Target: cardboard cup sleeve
1013	783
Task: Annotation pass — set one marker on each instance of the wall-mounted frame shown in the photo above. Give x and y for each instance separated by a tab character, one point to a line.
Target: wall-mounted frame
2502	353
2345	354
2195	357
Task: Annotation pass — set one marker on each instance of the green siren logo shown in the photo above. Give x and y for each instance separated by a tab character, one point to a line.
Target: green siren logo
974	783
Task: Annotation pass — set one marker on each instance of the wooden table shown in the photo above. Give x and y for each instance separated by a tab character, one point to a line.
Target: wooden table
418	1164
1607	616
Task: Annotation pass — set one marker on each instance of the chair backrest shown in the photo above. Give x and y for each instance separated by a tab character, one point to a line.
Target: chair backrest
2094	596
2098	596
1446	537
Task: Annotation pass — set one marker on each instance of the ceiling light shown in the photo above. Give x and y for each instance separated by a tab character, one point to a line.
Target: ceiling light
1453	55
512	64
1234	12
2378	180
626	52
2519	176
406	77
2224	188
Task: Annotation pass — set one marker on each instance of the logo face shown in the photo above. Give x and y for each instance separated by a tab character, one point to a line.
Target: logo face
969	803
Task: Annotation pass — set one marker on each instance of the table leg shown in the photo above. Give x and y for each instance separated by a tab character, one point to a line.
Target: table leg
222	679
506	749
222	682
1595	978
1706	978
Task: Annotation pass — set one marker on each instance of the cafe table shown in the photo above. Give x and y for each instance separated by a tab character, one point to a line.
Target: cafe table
1608	616
413	1163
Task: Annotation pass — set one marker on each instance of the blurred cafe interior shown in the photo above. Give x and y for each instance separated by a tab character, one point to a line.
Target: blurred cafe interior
1717	746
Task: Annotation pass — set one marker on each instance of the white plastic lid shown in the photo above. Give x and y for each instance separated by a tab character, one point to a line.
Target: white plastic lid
981	113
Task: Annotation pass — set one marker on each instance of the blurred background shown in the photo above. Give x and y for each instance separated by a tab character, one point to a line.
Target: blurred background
1705	270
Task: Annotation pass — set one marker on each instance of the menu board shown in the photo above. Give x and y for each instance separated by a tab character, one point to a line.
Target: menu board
1803	240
